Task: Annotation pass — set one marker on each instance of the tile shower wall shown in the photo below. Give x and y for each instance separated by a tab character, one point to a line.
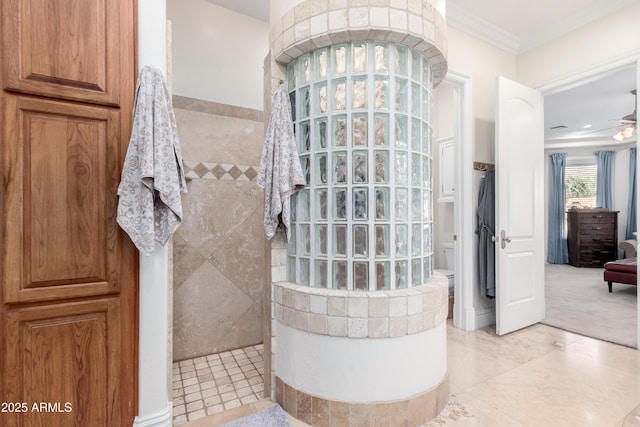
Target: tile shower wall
218	249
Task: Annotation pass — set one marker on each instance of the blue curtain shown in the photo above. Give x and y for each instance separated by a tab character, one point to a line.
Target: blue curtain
603	187
557	252
631	208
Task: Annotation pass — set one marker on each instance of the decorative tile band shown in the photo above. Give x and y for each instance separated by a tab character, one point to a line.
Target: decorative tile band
358	314
315	24
317	411
210	107
203	170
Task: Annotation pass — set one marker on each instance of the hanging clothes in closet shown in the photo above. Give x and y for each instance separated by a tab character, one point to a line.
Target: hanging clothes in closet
486	233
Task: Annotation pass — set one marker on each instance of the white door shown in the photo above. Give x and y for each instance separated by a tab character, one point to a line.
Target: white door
519	207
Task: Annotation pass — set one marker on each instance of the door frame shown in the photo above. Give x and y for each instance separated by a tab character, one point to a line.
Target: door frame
464	315
581	77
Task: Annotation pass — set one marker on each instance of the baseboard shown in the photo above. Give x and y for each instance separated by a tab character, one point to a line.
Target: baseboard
485	317
163	418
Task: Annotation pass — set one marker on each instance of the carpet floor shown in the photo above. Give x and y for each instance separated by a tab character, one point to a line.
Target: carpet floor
578	300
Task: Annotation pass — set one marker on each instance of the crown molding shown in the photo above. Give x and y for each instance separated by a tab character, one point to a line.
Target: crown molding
464	21
481	29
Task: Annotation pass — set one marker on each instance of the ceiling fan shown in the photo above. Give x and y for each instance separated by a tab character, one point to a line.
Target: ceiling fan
629	122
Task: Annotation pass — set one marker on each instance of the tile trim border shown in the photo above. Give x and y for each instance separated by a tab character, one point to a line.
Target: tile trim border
219	171
359	314
314	410
210	107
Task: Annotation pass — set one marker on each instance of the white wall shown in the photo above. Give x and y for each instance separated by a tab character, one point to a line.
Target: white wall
218	54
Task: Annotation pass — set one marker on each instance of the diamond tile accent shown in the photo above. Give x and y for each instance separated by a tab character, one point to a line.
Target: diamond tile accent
200	170
219	171
235	172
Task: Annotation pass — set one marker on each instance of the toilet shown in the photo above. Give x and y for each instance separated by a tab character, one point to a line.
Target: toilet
448	249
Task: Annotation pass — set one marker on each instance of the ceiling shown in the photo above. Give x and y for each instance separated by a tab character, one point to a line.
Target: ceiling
517	26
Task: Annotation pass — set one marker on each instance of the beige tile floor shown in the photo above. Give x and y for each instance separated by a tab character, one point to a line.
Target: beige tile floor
539	376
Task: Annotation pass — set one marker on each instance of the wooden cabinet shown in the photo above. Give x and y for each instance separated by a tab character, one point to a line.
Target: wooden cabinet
68	298
592	237
447	168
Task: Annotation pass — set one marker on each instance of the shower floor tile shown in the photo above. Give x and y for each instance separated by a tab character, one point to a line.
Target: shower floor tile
215	383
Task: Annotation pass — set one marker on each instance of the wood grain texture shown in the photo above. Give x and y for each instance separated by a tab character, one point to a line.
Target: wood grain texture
63	48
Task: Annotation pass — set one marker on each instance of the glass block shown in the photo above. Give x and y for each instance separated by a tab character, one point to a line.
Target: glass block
304	239
359	130
381	101
361	276
322	55
402	240
304	70
426	104
382	276
339	54
415	99
291	246
416	272
321	208
291	269
416	239
320	278
340	240
340	131
380	58
359	94
339	275
402	95
426	74
340	197
360	170
402	204
382	241
320	101
303	205
400	60
292	101
306	168
382	203
427	265
321	239
305	138
303	274
416	205
426	139
360	203
339	95
321	164
416	66
402	171
381	129
359	57
426	172
402	131
416	142
382	167
292	207
401	275
416	166
339	167
305	102
321	133
291	76
426	203
360	240
426	239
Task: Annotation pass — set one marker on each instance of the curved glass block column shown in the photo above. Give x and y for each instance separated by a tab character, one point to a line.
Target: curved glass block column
364	220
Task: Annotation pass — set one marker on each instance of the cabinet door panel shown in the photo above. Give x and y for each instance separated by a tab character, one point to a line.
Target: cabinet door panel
62	48
61	180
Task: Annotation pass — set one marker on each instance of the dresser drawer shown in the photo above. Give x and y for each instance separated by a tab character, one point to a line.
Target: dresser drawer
590	229
597	219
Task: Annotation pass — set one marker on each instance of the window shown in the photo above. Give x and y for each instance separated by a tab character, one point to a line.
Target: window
580	184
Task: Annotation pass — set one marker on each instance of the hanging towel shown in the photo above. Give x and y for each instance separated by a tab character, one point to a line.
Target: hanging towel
149	206
280	171
486	232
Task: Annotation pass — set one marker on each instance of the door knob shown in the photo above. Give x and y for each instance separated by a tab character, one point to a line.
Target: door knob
504	239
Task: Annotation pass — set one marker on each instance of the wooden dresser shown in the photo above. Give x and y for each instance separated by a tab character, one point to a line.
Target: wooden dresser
592	237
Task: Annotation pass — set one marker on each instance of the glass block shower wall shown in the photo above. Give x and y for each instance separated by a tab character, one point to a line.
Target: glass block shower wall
362	121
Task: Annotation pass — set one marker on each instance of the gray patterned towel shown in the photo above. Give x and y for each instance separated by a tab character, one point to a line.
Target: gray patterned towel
149	205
